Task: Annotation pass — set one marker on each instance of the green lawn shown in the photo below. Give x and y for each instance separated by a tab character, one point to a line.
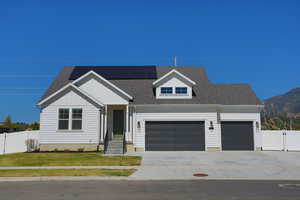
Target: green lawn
66	159
65	172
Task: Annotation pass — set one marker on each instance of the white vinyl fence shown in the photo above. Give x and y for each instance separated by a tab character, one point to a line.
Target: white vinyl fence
19	142
281	140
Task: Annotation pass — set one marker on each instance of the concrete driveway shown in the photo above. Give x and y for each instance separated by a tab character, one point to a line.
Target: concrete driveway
220	165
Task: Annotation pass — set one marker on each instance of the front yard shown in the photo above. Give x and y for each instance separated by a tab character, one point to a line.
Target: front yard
66	159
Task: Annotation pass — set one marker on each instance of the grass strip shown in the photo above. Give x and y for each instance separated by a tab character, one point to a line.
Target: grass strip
65	172
66	159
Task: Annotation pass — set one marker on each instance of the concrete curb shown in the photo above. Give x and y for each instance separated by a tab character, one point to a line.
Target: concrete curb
59	178
97	178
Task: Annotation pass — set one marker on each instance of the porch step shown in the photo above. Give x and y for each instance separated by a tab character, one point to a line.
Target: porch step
115	146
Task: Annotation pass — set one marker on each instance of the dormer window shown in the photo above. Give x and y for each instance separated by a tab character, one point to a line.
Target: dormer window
166	90
181	90
174	85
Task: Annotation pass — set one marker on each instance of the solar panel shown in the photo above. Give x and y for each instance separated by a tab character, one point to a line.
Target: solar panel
117	72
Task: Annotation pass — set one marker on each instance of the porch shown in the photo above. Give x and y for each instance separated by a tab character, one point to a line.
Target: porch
116	129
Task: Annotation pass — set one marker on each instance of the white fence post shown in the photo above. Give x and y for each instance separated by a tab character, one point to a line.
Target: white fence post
4	143
284	140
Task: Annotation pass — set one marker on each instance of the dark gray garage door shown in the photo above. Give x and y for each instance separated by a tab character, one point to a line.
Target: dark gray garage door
237	136
175	136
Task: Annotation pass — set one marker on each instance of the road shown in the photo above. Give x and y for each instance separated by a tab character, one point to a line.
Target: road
130	190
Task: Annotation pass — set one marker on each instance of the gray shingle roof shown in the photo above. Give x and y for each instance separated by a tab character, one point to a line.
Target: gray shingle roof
204	92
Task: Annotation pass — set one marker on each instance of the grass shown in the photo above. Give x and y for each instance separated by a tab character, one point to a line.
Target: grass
65	172
66	159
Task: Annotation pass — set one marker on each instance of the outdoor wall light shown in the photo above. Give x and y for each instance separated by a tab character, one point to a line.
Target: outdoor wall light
211	126
257	125
138	124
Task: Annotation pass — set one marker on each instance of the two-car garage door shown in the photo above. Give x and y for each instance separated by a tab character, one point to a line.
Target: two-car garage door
175	136
190	136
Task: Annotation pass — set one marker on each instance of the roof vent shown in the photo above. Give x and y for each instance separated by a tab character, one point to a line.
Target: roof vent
174	61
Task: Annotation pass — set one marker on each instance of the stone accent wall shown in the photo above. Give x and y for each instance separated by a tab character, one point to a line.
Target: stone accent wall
130	148
213	149
70	147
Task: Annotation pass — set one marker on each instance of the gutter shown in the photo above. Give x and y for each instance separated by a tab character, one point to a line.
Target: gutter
218	106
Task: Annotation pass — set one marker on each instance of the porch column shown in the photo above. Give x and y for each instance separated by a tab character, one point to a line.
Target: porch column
129	144
127	124
131	125
101	127
105	122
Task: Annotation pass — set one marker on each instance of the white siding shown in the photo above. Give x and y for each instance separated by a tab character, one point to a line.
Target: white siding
102	92
175	114
49	133
174	82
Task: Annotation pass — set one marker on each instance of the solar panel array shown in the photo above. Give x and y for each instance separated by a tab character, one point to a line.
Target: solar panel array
117	72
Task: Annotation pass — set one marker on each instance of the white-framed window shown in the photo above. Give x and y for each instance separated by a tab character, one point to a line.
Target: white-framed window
76	119
166	90
181	90
70	119
63	119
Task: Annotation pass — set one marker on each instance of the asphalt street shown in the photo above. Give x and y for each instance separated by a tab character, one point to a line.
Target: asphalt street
130	190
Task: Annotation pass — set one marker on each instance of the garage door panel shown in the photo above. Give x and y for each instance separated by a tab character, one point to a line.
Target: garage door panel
237	136
175	136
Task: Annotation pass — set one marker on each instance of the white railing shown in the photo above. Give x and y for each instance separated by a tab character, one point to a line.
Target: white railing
19	142
281	140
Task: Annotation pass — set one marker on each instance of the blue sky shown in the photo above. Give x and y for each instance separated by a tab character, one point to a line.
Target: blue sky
254	42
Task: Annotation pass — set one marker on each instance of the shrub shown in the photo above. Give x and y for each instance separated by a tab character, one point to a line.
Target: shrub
32	145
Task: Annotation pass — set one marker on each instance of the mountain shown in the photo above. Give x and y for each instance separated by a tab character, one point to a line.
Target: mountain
282	112
288	104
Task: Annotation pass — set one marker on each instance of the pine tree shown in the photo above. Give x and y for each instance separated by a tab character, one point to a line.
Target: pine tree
8	121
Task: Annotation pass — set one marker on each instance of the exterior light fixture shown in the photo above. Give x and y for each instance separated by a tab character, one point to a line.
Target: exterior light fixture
211	126
138	124
257	125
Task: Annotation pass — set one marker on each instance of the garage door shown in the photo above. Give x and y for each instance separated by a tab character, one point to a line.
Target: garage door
237	136
175	136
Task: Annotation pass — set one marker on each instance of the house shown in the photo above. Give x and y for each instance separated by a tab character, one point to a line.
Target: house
6	129
147	108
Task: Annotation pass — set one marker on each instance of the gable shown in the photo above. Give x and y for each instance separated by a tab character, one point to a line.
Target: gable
64	91
70	97
174	82
100	90
174	73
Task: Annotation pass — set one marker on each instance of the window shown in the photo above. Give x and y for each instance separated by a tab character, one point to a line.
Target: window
166	90
181	90
76	119
63	119
70	121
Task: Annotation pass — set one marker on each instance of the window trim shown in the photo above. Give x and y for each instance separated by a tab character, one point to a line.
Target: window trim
70	120
76	119
59	119
186	93
166	88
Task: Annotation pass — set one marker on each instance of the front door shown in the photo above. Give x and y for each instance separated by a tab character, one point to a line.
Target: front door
118	123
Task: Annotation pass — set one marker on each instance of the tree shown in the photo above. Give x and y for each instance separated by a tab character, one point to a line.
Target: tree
35	126
8	121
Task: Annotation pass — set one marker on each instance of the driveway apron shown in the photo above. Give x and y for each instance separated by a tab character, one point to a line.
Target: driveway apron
219	165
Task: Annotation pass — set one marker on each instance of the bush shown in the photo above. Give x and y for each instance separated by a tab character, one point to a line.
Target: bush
32	145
